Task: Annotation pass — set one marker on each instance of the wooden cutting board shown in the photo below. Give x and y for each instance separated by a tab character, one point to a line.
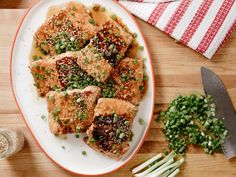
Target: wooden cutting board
177	71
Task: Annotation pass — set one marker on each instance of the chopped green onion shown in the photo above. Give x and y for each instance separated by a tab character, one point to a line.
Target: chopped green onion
140	47
92	21
74	8
43	117
141	121
191	120
114	17
135	35
52	99
84	153
92	140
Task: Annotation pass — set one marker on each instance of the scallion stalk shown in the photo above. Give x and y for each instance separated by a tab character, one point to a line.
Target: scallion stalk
173	165
154	166
174	173
145	164
168	172
161	167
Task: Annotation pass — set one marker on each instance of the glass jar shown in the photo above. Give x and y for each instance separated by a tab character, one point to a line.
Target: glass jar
11	141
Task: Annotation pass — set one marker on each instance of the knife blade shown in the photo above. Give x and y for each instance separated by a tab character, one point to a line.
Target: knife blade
224	108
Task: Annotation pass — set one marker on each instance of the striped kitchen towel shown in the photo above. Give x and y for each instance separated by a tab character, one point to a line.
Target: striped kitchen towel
203	25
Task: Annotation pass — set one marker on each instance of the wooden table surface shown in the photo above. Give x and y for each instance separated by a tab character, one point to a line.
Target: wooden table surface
177	71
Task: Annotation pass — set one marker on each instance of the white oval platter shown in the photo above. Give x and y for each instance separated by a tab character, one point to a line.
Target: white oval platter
67	153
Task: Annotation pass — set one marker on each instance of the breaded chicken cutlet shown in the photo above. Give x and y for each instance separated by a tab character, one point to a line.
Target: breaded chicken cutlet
111	41
129	78
107	46
59	73
104	50
110	132
72	111
94	64
68	30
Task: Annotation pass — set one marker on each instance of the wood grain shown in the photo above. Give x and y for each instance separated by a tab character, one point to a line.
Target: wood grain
16	4
177	71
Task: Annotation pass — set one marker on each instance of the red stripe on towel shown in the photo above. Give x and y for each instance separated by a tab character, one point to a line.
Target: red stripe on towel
176	17
215	26
196	21
157	12
233	27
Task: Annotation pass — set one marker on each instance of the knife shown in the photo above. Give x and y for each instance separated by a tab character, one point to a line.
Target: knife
224	108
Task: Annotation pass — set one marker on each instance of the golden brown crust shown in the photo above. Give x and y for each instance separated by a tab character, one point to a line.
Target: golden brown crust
73	22
128	75
124	147
46	74
112	41
111	129
72	110
94	64
107	106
